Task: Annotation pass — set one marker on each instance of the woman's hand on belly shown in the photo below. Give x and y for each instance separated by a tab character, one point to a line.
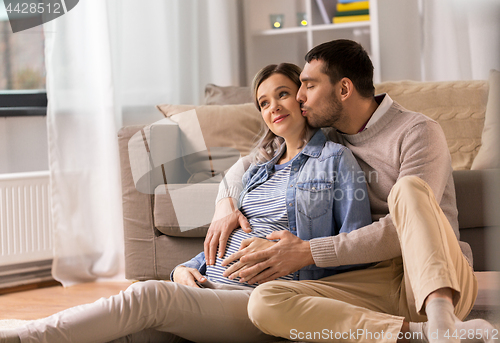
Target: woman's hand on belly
188	276
226	219
248	246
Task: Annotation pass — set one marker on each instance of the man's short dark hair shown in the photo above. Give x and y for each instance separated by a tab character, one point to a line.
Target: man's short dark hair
345	58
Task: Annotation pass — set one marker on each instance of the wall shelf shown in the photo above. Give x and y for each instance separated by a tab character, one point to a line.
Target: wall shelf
290	43
321	27
274	32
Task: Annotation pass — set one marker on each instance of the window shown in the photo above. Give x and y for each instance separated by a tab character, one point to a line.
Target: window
22	70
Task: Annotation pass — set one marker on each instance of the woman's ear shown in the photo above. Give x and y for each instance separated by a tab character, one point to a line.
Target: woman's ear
346	88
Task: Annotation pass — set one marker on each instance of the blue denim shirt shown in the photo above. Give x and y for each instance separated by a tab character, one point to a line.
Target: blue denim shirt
326	195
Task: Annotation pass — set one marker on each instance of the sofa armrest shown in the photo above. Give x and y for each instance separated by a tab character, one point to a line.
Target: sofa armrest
137	220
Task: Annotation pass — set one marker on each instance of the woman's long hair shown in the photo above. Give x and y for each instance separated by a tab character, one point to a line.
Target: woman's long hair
269	143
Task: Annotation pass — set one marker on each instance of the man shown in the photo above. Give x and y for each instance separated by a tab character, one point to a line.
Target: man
420	274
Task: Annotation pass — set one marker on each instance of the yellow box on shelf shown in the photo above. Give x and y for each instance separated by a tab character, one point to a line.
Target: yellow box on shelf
353	6
351	18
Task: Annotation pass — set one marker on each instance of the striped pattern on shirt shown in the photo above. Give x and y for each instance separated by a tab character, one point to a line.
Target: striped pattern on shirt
265	209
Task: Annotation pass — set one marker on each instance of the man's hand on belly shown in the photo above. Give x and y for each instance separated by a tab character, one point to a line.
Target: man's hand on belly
286	256
248	246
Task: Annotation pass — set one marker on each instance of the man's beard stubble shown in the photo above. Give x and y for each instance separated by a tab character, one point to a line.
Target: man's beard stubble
332	116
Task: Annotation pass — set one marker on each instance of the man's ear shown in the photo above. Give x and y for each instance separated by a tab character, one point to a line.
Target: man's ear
346	88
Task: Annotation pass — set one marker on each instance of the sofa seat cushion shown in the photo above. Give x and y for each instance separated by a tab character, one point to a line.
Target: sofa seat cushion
458	106
184	210
469	189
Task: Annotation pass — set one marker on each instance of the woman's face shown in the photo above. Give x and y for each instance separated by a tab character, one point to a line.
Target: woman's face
279	108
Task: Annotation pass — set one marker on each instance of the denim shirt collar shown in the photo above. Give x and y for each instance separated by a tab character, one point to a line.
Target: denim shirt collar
315	145
312	149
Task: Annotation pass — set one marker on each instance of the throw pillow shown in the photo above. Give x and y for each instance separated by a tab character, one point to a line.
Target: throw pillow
458	106
213	137
231	95
488	155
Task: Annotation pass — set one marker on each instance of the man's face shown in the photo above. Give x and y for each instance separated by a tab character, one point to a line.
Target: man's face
320	99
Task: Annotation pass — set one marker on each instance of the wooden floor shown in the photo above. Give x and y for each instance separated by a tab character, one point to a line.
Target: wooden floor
43	302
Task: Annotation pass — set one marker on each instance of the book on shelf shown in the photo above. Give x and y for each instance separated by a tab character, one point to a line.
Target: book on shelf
349	13
353	6
351	18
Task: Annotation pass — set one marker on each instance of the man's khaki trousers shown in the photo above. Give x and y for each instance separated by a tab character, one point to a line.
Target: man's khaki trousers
370	305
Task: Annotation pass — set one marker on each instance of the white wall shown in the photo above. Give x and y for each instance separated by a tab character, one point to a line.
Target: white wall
400	40
23	144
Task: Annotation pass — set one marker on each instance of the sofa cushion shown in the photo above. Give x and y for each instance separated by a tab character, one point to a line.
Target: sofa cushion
228	131
469	188
230	95
175	205
488	155
458	106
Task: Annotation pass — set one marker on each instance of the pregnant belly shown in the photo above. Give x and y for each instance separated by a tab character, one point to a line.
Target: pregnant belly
214	273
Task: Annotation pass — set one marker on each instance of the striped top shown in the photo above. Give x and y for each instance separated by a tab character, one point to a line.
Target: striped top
265	209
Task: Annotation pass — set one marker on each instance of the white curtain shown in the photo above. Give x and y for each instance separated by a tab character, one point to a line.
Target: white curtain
103	58
461	39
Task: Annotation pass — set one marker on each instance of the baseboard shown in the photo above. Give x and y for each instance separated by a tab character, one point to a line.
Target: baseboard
29	287
26	276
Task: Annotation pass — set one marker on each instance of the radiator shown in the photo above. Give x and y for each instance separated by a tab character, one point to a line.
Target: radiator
26	248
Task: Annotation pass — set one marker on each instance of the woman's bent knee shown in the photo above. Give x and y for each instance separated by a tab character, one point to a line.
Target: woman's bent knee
143	287
150	291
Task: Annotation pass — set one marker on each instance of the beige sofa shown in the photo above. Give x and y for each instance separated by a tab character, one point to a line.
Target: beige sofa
158	160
